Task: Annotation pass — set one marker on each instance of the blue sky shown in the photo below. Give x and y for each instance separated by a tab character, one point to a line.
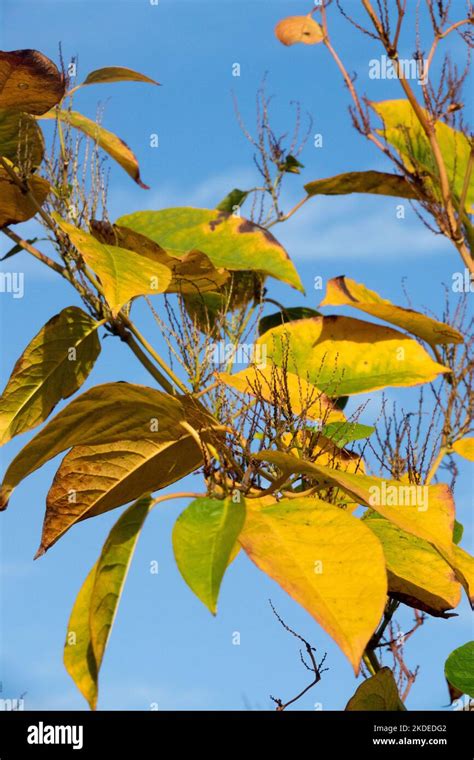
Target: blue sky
165	647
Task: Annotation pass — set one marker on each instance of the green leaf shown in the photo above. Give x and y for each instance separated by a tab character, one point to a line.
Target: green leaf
457	532
103	477
30	82
21	139
52	367
376	183
204	537
15	206
327	560
230	242
403	130
123	274
377	693
342	433
233	200
110	74
342	291
17	249
459	669
108	141
285	315
291	165
96	605
343	356
417	574
104	414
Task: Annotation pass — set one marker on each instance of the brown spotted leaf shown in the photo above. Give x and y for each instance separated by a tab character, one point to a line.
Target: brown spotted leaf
29	82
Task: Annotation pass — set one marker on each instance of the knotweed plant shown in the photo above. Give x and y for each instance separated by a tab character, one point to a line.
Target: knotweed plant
354	521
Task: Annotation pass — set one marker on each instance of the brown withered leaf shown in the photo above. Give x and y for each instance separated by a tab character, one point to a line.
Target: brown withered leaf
299	29
16	206
29	82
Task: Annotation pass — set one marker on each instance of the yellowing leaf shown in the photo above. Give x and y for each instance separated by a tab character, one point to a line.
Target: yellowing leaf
96	605
52	367
108	141
110	74
327	560
293	392
403	130
417	574
379	692
123	274
465	564
79	659
29	82
342	291
21	140
15	206
465	448
103	477
191	273
424	511
230	242
343	356
376	183
104	414
299	29
204	537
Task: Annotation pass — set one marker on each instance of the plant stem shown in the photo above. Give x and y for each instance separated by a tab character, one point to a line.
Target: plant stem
35	252
148	347
179	495
439	458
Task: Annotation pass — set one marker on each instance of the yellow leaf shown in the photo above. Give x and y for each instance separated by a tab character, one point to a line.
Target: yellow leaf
424	511
104	477
29	81
123	274
299	29
79	659
372	182
108	141
465	448
343	356
231	242
342	291
109	74
403	130
96	605
47	371
465	564
327	560
21	139
191	273
290	391
417	574
104	414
